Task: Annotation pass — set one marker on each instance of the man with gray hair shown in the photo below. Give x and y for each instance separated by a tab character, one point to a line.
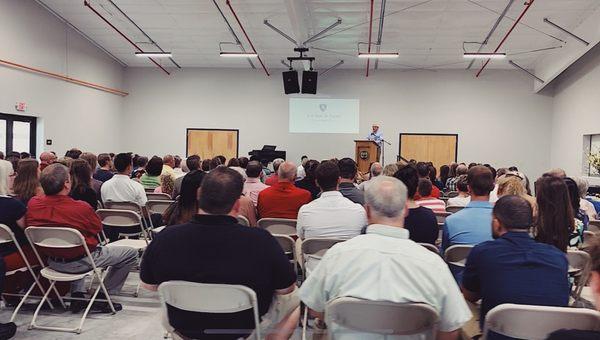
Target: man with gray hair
384	265
376	169
57	209
283	199
274	178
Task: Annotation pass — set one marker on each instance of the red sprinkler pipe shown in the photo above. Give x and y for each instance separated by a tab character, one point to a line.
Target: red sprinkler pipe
370	33
247	37
87	4
507	34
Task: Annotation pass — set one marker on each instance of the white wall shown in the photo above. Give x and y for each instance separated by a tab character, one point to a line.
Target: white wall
576	112
71	115
497	117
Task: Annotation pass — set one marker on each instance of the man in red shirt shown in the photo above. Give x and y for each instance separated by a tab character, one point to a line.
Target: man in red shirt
57	209
284	199
423	171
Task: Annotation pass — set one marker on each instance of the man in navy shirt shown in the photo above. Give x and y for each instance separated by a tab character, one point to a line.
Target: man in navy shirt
514	268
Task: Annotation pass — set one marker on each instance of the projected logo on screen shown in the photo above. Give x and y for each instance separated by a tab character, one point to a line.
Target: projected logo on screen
309	115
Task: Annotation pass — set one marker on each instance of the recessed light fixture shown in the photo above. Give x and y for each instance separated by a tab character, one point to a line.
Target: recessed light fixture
378	55
484	55
153	54
238	55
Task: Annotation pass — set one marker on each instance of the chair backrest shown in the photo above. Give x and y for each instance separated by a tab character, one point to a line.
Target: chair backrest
159	206
243	220
578	260
280	226
158	196
441	216
7	236
537	322
594	226
431	247
149	191
454	208
457	254
287	243
588	237
209	298
382	317
317	247
123	206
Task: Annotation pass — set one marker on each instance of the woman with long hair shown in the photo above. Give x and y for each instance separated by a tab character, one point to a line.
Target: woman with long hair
555	214
187	204
511	184
309	181
81	183
166	185
27	180
581	218
444	175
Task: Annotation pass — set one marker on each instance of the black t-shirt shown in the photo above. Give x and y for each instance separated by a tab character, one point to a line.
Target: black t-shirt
422	225
310	185
12	210
215	249
103	175
87	195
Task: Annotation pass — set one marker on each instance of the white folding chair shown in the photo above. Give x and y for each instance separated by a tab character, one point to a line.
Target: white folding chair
243	221
158	206
7	236
537	322
158	197
457	254
207	298
381	317
441	217
430	247
58	238
454	208
133	207
579	269
288	245
594	226
127	220
588	238
279	226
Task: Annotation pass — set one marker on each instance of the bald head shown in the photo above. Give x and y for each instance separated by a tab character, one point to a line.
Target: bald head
287	172
47	157
169	160
376	169
385	199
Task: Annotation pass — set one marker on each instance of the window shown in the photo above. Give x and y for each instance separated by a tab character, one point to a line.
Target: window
17	133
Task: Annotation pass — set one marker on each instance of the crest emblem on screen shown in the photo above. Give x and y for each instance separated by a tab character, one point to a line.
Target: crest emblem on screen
323	107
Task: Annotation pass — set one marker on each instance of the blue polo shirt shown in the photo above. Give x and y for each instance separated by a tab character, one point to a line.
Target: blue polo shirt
471	225
516	269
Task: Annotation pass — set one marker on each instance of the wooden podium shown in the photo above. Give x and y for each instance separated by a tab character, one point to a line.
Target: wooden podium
367	152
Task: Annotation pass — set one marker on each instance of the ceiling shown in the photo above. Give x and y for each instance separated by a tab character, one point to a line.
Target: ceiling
427	34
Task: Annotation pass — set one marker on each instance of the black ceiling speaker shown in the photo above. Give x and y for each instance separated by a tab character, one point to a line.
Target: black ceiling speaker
290	82
309	82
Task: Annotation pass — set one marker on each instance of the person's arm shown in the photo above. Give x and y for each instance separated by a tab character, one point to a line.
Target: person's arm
471	282
286	291
445	238
448	335
152	288
21	223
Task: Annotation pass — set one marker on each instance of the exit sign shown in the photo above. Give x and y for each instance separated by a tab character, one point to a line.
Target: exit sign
21	107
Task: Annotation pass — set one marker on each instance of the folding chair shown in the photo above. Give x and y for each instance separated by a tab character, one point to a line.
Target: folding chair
288	245
279	226
133	207
63	239
7	236
149	191
594	226
207	298
579	269
430	247
243	220
441	217
158	197
454	208
128	220
158	206
457	254
451	194
537	322
381	317
588	237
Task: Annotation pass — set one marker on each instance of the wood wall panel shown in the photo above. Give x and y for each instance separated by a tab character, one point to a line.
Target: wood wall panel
439	149
208	143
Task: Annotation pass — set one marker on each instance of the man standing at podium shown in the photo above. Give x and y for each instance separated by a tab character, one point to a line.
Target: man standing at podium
376	135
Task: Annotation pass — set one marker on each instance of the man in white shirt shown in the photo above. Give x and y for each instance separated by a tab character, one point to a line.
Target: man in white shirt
300	172
121	188
384	265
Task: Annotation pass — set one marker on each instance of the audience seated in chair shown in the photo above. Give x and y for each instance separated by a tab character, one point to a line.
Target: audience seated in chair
187	202
81	186
249	257
27	181
463	197
151	179
384	265
309	181
47	158
104	173
461	169
513	184
193	165
57	209
253	186
424	189
423	170
274	178
283	200
348	170
514	268
556	221
92	161
420	222
375	170
121	188
584	204
582	220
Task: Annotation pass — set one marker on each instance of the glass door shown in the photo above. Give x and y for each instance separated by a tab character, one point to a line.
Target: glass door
18	134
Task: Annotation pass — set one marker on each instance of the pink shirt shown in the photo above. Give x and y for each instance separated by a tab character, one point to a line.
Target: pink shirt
252	187
432	203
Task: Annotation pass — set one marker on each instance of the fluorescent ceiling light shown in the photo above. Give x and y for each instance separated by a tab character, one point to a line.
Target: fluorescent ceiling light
484	55
153	54
378	55
238	55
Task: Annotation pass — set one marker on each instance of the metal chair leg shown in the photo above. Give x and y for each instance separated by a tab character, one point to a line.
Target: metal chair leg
39	307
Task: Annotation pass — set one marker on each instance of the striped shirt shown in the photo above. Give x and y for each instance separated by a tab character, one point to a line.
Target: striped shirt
432	203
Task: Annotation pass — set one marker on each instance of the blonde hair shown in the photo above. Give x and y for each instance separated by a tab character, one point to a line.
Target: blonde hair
167	184
511	185
390	170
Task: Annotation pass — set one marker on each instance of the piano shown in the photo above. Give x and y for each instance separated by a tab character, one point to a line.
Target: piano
267	152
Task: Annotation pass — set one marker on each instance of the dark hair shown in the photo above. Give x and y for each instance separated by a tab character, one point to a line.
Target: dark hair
472	165
193	162
142	161
215	162
73	153
154	167
494	172
25	155
26	182
243	162
264	162
555	213
222	159
514	212
219	191
81	176
91	159
233	162
513	168
347	168
205	166
461	183
423	169
573	194
424	187
310	167
444	174
452	172
177	161
103	159
187	201
409	176
327	175
432	173
253	169
53	178
122	161
303	157
480	180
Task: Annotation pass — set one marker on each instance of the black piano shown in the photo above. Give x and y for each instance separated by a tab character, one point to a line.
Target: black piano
268	152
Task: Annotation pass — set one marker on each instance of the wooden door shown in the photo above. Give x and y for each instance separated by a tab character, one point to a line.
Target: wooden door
208	143
440	149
